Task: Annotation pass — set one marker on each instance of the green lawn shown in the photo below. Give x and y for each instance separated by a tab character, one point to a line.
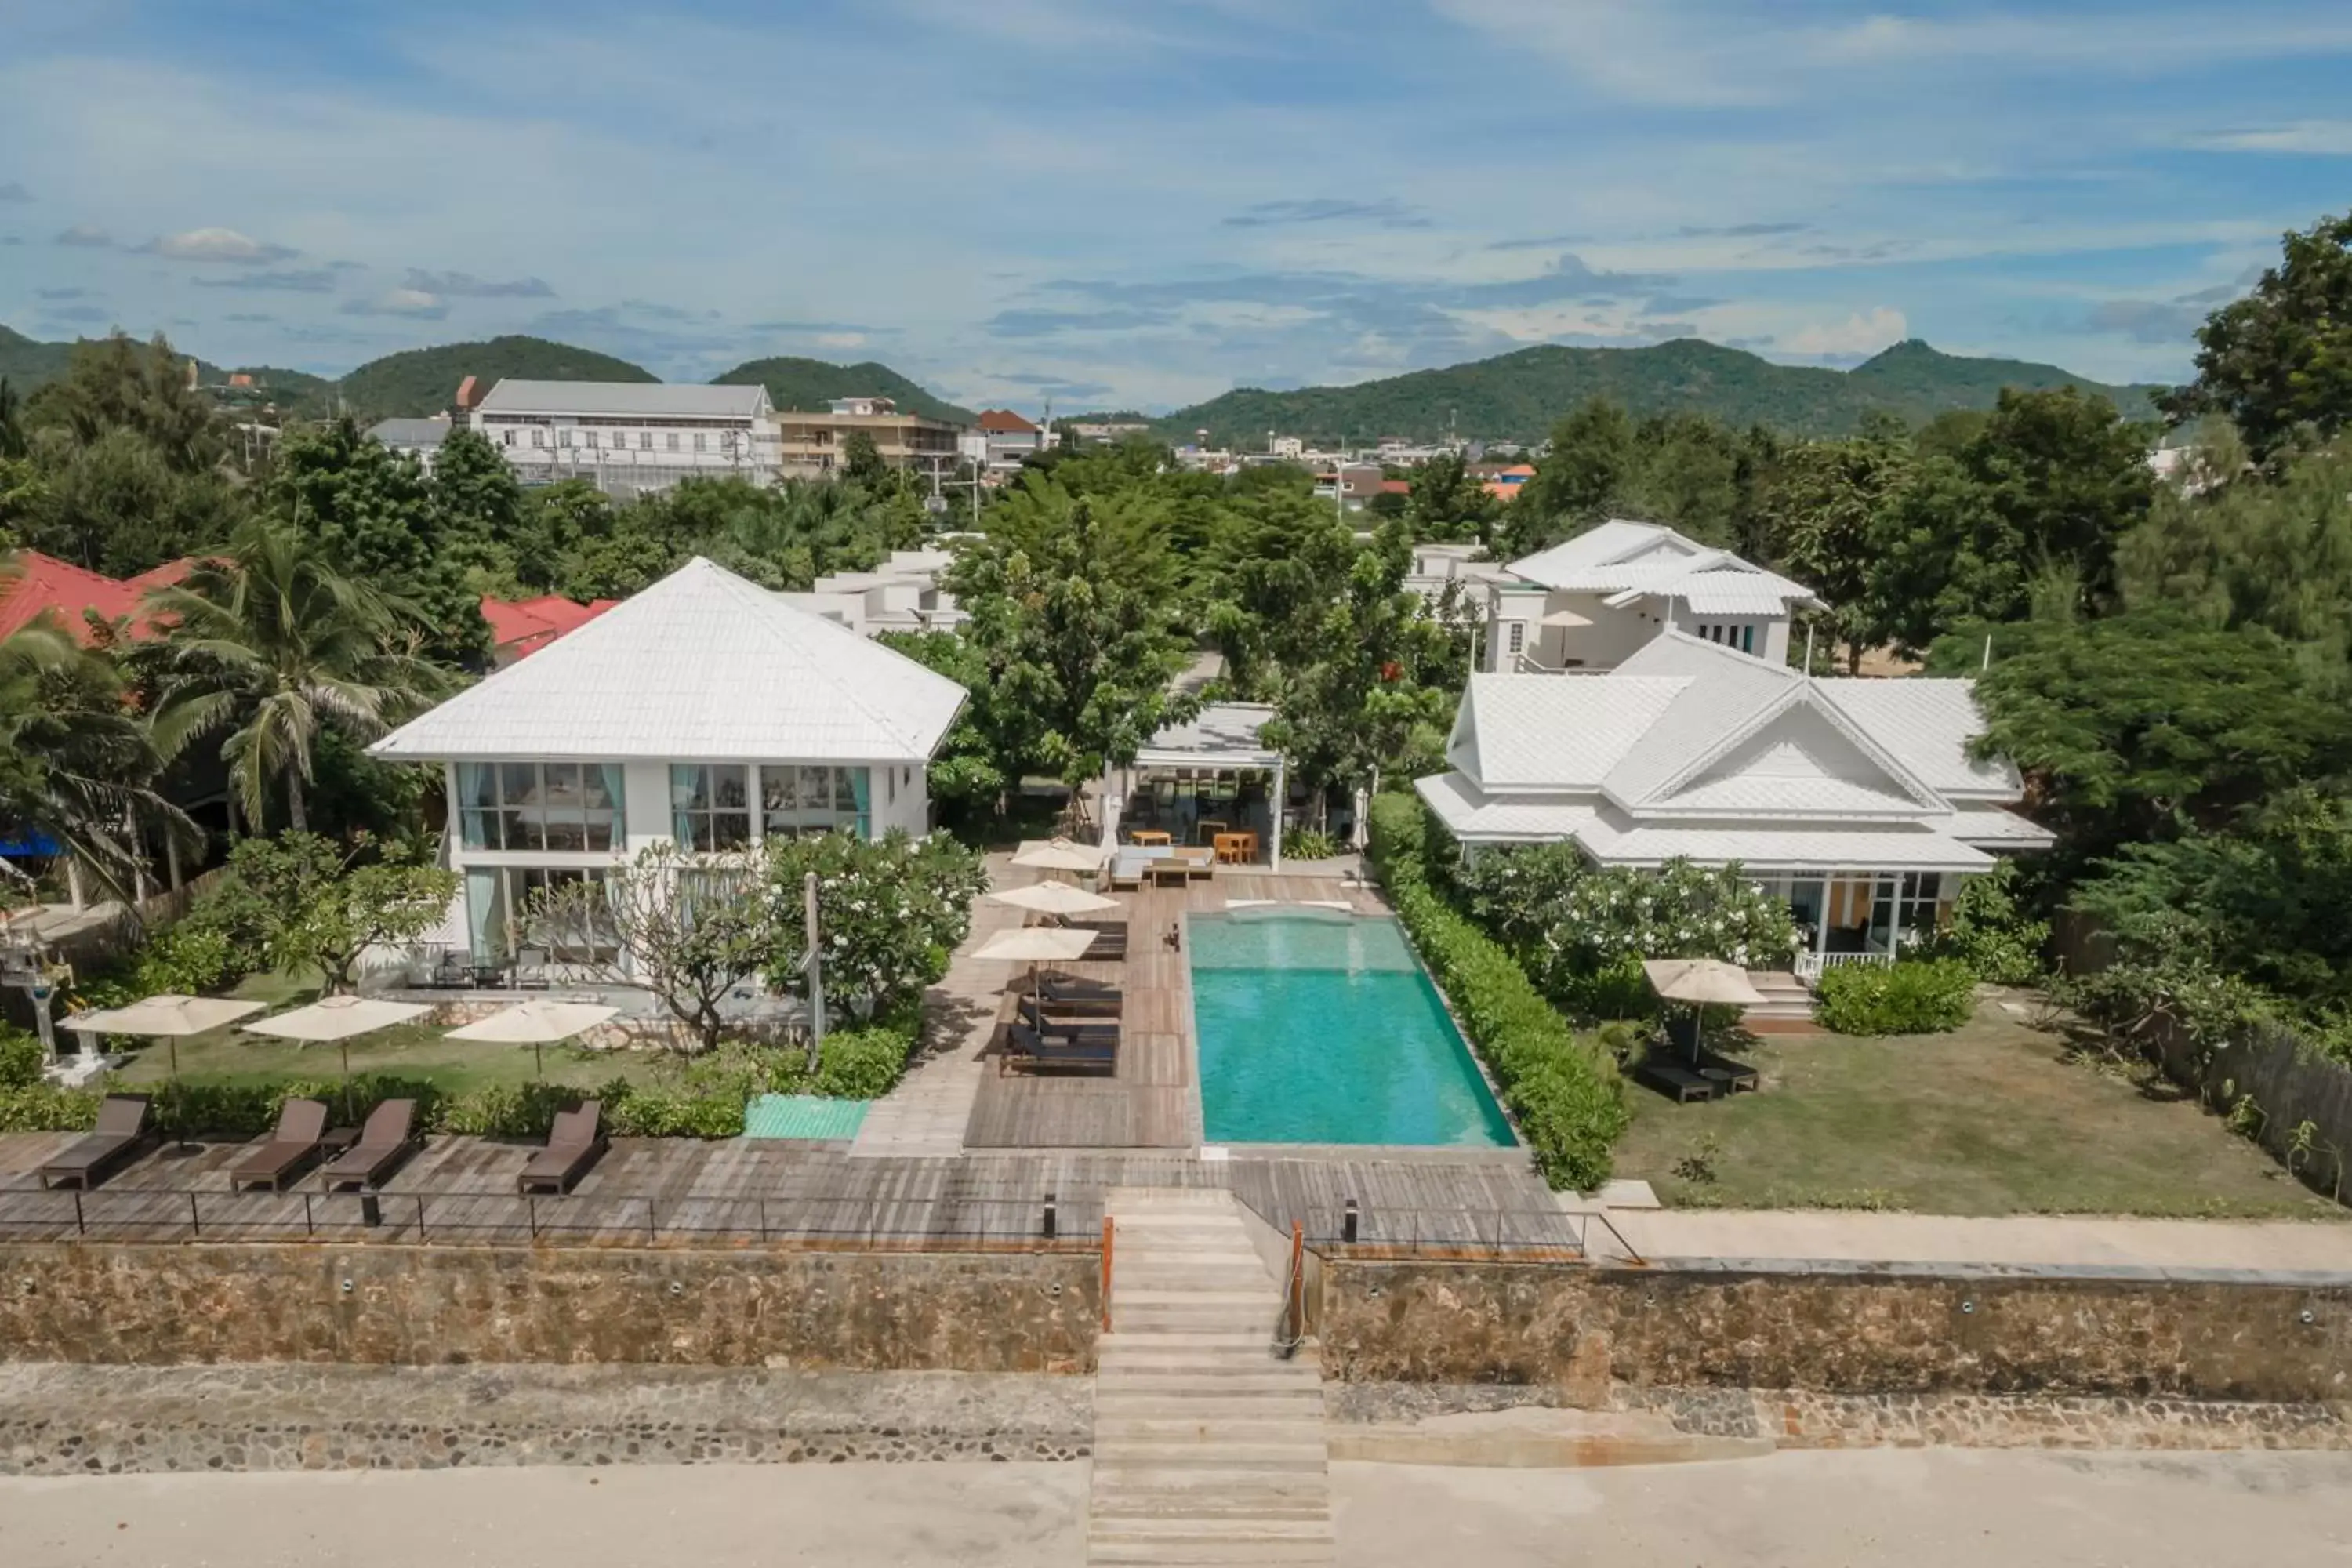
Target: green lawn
1995	1118
410	1050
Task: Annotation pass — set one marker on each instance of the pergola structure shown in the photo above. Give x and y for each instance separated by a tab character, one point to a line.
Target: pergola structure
1216	758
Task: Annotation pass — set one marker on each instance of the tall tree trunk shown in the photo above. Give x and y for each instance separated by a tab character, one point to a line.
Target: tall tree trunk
295	817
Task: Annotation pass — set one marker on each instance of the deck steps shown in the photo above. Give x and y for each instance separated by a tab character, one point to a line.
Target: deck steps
1787	1007
1208	1448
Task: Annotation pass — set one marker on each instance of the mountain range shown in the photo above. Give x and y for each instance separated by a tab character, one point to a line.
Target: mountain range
1515	396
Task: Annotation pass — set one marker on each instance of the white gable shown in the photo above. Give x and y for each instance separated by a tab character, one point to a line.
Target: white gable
1798	764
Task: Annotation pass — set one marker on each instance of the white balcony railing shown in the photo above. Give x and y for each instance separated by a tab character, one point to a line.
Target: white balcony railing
1810	964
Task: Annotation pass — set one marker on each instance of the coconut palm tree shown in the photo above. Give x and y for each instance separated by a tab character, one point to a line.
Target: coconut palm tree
269	642
76	763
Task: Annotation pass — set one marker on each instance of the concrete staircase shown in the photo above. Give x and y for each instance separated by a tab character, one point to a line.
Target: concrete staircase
1207	1448
1788	1006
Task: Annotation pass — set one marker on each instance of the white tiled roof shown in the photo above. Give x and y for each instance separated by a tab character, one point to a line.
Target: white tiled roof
1725	693
1929	725
701	665
1472	814
1999	828
1222	733
1765	848
1641	559
607	399
1560	731
1777	796
1603	544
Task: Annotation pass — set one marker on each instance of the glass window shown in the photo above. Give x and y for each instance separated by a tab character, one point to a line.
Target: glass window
1916	905
538	437
645	440
566	807
700	441
1518	635
563	438
673	441
808	800
592	438
711	804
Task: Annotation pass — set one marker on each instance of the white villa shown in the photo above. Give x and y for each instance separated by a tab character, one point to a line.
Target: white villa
902	594
705	712
1858	801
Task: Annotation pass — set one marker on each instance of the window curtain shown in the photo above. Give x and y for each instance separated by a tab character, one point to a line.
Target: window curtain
611	773
685	790
861	788
482	920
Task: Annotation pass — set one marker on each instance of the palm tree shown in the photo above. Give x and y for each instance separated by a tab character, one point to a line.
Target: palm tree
270	642
76	763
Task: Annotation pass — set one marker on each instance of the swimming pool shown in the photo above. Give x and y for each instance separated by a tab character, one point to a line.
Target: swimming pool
1317	1026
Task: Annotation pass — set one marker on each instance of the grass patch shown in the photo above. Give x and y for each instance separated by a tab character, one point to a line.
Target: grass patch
233	1058
1993	1119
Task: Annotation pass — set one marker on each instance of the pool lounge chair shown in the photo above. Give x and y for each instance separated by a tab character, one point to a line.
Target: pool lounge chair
574	1145
1076	996
1196	859
1109	943
1025	1050
301	1134
1085	1030
388	1138
122	1132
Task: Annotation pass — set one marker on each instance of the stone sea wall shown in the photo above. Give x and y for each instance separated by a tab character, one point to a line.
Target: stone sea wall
426	1305
1835	1330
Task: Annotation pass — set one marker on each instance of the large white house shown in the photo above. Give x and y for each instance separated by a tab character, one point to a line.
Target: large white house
630	437
902	594
1860	802
704	711
1592	601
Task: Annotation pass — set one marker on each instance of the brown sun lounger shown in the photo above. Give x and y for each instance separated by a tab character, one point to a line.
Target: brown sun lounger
122	1132
389	1137
574	1143
301	1134
1095	1031
1028	1051
1066	997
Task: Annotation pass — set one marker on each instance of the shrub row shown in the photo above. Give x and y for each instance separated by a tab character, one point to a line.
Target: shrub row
1566	1092
1915	996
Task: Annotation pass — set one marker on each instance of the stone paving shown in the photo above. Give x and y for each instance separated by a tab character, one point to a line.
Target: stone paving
74	1420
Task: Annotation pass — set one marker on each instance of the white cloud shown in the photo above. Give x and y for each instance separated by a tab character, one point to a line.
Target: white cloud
1863	332
2331	138
216	245
15	191
84	233
412	302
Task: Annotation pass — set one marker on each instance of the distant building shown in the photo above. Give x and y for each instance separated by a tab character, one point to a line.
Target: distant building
33	584
902	594
520	628
420	438
1357	483
1101	432
1502	480
810	444
999	440
629	437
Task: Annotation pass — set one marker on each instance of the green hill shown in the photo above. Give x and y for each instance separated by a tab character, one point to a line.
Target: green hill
808	385
26	363
421	382
1520	395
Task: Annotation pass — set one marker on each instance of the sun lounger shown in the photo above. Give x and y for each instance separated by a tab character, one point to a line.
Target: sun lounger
1076	1029
1064	996
574	1143
122	1132
388	1138
301	1134
1737	1076
1674	1079
1027	1051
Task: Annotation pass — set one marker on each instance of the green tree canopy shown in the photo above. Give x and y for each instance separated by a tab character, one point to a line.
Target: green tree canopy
2279	361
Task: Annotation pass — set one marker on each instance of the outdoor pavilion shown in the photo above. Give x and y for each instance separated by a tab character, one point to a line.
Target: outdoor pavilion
1215	768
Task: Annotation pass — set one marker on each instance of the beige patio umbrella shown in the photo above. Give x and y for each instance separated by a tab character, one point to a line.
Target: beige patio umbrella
535	1023
1565	618
338	1019
1060	855
1703	982
168	1017
1055	899
1035	945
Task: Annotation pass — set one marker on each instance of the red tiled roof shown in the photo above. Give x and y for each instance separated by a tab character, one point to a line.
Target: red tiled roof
1396	486
1003	421
523	626
32	582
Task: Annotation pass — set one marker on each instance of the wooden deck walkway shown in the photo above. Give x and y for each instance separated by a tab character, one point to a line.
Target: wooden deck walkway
1153	1099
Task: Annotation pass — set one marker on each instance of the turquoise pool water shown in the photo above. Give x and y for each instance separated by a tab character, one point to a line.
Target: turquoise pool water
1324	1028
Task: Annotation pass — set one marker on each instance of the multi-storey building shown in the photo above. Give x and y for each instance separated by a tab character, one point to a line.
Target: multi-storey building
627	437
812	443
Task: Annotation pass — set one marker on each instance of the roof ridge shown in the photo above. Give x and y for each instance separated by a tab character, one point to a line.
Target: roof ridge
777	616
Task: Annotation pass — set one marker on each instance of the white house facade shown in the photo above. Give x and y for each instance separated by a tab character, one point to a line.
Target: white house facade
704	711
1860	802
902	594
1590	603
627	437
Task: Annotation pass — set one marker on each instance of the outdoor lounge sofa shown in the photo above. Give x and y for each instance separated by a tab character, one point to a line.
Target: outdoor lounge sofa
1025	1050
388	1138
301	1134
122	1132
574	1145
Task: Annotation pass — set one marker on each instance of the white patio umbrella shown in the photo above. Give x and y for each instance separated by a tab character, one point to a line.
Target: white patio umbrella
535	1023
1565	618
1035	945
1060	855
1055	899
338	1019
1700	982
168	1017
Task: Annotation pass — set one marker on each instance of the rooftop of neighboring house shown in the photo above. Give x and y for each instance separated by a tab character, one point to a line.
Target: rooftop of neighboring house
701	664
32	584
520	628
1004	422
624	399
411	433
1628	561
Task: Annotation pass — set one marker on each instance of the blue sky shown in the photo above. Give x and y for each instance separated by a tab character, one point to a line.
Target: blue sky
1143	203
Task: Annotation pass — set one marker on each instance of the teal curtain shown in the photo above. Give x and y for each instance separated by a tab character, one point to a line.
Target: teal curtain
861	786
483	917
611	773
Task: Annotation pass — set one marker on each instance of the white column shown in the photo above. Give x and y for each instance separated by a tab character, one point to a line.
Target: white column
1281	799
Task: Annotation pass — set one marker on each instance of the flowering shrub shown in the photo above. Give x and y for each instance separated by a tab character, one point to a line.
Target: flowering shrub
1915	996
1582	931
890	909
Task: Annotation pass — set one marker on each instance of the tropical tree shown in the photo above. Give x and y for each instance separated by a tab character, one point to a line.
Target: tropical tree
2279	361
319	904
1822	516
1448	502
269	642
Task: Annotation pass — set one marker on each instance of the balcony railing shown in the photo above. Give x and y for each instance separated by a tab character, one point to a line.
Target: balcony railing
1810	964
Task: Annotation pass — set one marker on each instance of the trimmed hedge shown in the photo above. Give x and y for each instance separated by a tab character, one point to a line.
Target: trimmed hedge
863	1064
1914	996
1566	1092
